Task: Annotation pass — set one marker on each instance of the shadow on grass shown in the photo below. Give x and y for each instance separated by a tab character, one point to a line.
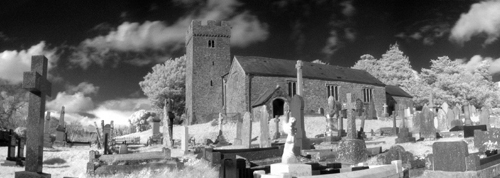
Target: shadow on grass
53	161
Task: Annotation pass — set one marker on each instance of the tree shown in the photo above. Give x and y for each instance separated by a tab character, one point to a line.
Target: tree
451	82
167	81
13	105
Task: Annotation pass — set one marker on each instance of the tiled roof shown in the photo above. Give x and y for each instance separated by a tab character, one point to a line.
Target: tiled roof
262	66
396	91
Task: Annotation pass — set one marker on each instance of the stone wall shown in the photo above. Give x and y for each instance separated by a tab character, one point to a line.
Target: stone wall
205	65
315	92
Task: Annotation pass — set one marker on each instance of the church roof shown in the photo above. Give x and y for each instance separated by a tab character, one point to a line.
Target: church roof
263	66
396	91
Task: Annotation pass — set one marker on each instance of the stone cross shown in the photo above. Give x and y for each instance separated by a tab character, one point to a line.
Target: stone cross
264	129
297	110
300	84
39	87
61	118
351	121
466	109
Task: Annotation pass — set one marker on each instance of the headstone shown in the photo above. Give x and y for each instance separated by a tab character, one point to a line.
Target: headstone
457	111
351	150
246	132
297	110
450	156
155	122
351	122
445	107
467	115
441	117
47	143
264	129
484	117
385	110
485	139
38	86
427	129
123	149
61	129
184	138
456	123
239	128
450	117
167	119
277	134
332	113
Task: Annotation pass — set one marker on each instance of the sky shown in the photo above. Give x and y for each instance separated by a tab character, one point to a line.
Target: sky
99	51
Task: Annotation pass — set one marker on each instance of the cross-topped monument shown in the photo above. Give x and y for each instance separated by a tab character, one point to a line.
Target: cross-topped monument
39	87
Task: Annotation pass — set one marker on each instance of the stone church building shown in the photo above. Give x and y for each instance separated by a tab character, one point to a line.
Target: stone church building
216	83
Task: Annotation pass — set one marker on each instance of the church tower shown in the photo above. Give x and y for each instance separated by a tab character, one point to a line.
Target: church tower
207	60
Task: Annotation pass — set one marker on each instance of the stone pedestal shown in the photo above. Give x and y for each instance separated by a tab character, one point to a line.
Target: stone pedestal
289	170
27	174
352	151
404	136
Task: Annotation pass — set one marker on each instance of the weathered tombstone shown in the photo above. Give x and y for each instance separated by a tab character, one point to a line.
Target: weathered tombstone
445	107
441	117
123	149
450	117
427	129
467	114
246	132
168	117
46	135
484	117
264	129
372	112
359	112
297	110
452	156
155	124
330	122
457	111
239	125
38	86
404	134
351	150
277	134
184	138
61	129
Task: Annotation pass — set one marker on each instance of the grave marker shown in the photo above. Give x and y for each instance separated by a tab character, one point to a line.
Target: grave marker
427	129
61	129
450	117
385	110
246	133
184	138
155	124
264	129
441	117
46	135
351	121
297	111
332	112
239	125
351	150
38	86
484	117
457	111
466	108
168	117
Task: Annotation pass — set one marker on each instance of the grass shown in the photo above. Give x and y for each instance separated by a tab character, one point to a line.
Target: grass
71	162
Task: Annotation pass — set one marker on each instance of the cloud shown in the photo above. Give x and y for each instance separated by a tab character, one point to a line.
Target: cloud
473	63
73	103
142	44
427	33
482	18
347	8
84	87
14	63
120	110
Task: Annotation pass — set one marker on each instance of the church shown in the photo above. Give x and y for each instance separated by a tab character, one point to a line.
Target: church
217	83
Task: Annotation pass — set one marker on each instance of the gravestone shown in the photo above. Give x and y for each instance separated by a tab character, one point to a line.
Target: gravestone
457	111
239	127
155	125
484	117
123	149
61	129
168	117
38	86
359	113
467	115
483	138
441	117
450	117
456	123
330	117
184	138
297	111
450	156
418	119
47	143
264	129
427	129
385	110
351	150
246	132
445	107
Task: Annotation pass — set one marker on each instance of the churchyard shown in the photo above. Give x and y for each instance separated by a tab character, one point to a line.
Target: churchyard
337	141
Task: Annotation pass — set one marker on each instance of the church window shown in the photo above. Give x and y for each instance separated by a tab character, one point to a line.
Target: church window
211	43
367	94
333	90
292	88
